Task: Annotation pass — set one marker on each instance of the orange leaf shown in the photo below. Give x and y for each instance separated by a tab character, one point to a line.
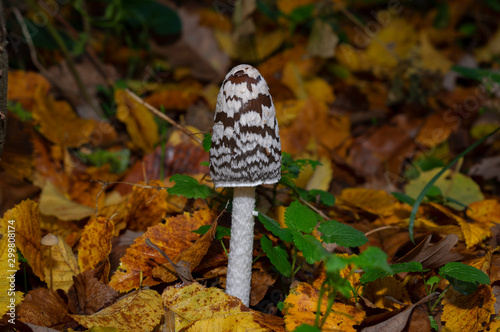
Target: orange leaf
27	224
146	207
301	305
173	237
376	202
95	244
22	86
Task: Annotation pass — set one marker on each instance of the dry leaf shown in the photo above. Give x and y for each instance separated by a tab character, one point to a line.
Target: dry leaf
301	305
381	292
22	87
146	206
95	244
140	122
435	131
9	264
197	308
44	307
468	312
376	202
28	236
55	203
63	263
173	237
138	311
88	295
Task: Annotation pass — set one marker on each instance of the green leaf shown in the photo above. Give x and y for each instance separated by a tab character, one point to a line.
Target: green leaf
434	324
301	13
161	19
403	198
17	109
273	226
220	232
324	197
280	305
341	234
188	187
433	280
477	73
464	272
300	217
422	194
372	274
442	18
372	257
277	255
207	142
306	328
311	248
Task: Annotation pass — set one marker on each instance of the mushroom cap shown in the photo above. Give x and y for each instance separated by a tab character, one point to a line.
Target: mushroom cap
49	240
246	147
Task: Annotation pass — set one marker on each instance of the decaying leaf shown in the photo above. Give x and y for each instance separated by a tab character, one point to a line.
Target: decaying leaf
301	305
197	308
468	312
387	293
95	244
44	307
146	206
173	237
88	295
55	203
137	311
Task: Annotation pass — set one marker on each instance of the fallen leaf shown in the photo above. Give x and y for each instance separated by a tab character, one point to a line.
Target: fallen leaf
22	87
301	304
468	312
435	131
488	168
63	263
139	121
27	225
376	202
173	237
9	265
88	295
381	292
55	203
197	308
262	279
146	207
137	311
95	245
44	307
430	255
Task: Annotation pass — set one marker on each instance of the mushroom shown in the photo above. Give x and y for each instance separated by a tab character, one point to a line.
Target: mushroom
50	240
245	153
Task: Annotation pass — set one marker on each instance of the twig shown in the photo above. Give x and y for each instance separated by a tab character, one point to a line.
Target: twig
383	228
312	207
182	268
164	117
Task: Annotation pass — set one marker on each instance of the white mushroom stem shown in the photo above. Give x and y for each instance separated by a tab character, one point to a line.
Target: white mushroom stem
239	269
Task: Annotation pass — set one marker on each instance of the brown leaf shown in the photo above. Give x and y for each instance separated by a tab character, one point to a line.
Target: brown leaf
380	292
88	295
398	322
173	237
431	255
27	225
44	307
138	311
62	261
262	279
95	244
22	86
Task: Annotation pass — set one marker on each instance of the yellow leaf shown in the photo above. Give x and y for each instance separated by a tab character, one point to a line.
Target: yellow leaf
322	176
485	212
292	78
27	224
9	264
197	308
95	244
376	202
301	305
59	123
139	121
486	53
22	86
138	311
55	203
288	110
431	58
287	6
468	312
64	265
320	90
